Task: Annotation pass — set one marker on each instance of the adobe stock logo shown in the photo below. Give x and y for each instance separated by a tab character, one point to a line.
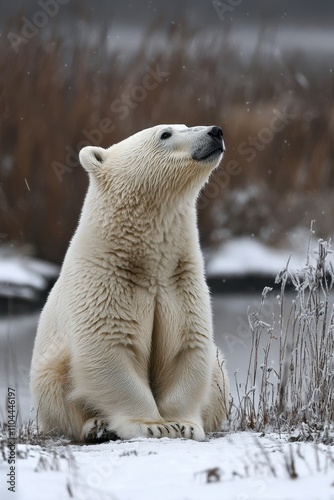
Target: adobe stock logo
121	108
225	7
31	27
249	149
253	144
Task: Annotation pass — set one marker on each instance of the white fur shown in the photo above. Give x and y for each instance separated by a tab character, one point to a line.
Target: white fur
125	339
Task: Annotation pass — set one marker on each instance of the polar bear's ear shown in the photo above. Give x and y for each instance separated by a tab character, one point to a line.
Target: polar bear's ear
92	158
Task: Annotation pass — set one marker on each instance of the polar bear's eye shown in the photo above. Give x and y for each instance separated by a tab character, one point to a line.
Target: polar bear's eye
166	135
98	157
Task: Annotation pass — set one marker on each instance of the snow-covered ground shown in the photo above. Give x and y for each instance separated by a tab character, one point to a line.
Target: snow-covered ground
24	277
241	466
245	255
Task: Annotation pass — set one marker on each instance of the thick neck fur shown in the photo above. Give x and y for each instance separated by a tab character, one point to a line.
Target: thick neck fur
136	227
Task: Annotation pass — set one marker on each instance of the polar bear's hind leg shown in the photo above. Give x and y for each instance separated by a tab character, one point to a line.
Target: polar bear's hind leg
54	411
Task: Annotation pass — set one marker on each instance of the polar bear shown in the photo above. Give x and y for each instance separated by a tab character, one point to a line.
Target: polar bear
124	346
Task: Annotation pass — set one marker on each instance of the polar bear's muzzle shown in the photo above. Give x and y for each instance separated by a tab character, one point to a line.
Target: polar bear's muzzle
210	144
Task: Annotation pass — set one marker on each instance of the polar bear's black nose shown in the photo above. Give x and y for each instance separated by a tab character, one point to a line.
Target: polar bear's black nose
216	132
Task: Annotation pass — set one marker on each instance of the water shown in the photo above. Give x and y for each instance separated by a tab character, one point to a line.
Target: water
232	335
17	335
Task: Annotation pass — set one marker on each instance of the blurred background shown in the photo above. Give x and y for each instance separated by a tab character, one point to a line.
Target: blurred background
74	73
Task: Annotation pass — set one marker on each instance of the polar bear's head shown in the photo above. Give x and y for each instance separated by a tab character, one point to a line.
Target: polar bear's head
162	160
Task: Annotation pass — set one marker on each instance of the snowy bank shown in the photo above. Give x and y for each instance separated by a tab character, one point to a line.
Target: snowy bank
25	277
247	256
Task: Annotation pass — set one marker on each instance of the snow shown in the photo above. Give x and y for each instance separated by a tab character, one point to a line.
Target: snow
246	255
21	276
24	271
243	466
13	271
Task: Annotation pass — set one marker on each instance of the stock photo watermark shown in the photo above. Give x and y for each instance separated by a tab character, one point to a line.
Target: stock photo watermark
96	474
223	8
249	150
11	422
31	27
121	108
254	144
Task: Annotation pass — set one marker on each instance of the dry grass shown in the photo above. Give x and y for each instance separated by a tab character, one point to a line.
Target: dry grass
50	92
298	395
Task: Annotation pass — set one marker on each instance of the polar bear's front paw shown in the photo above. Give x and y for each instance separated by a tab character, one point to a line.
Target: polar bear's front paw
96	430
175	430
191	430
159	430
